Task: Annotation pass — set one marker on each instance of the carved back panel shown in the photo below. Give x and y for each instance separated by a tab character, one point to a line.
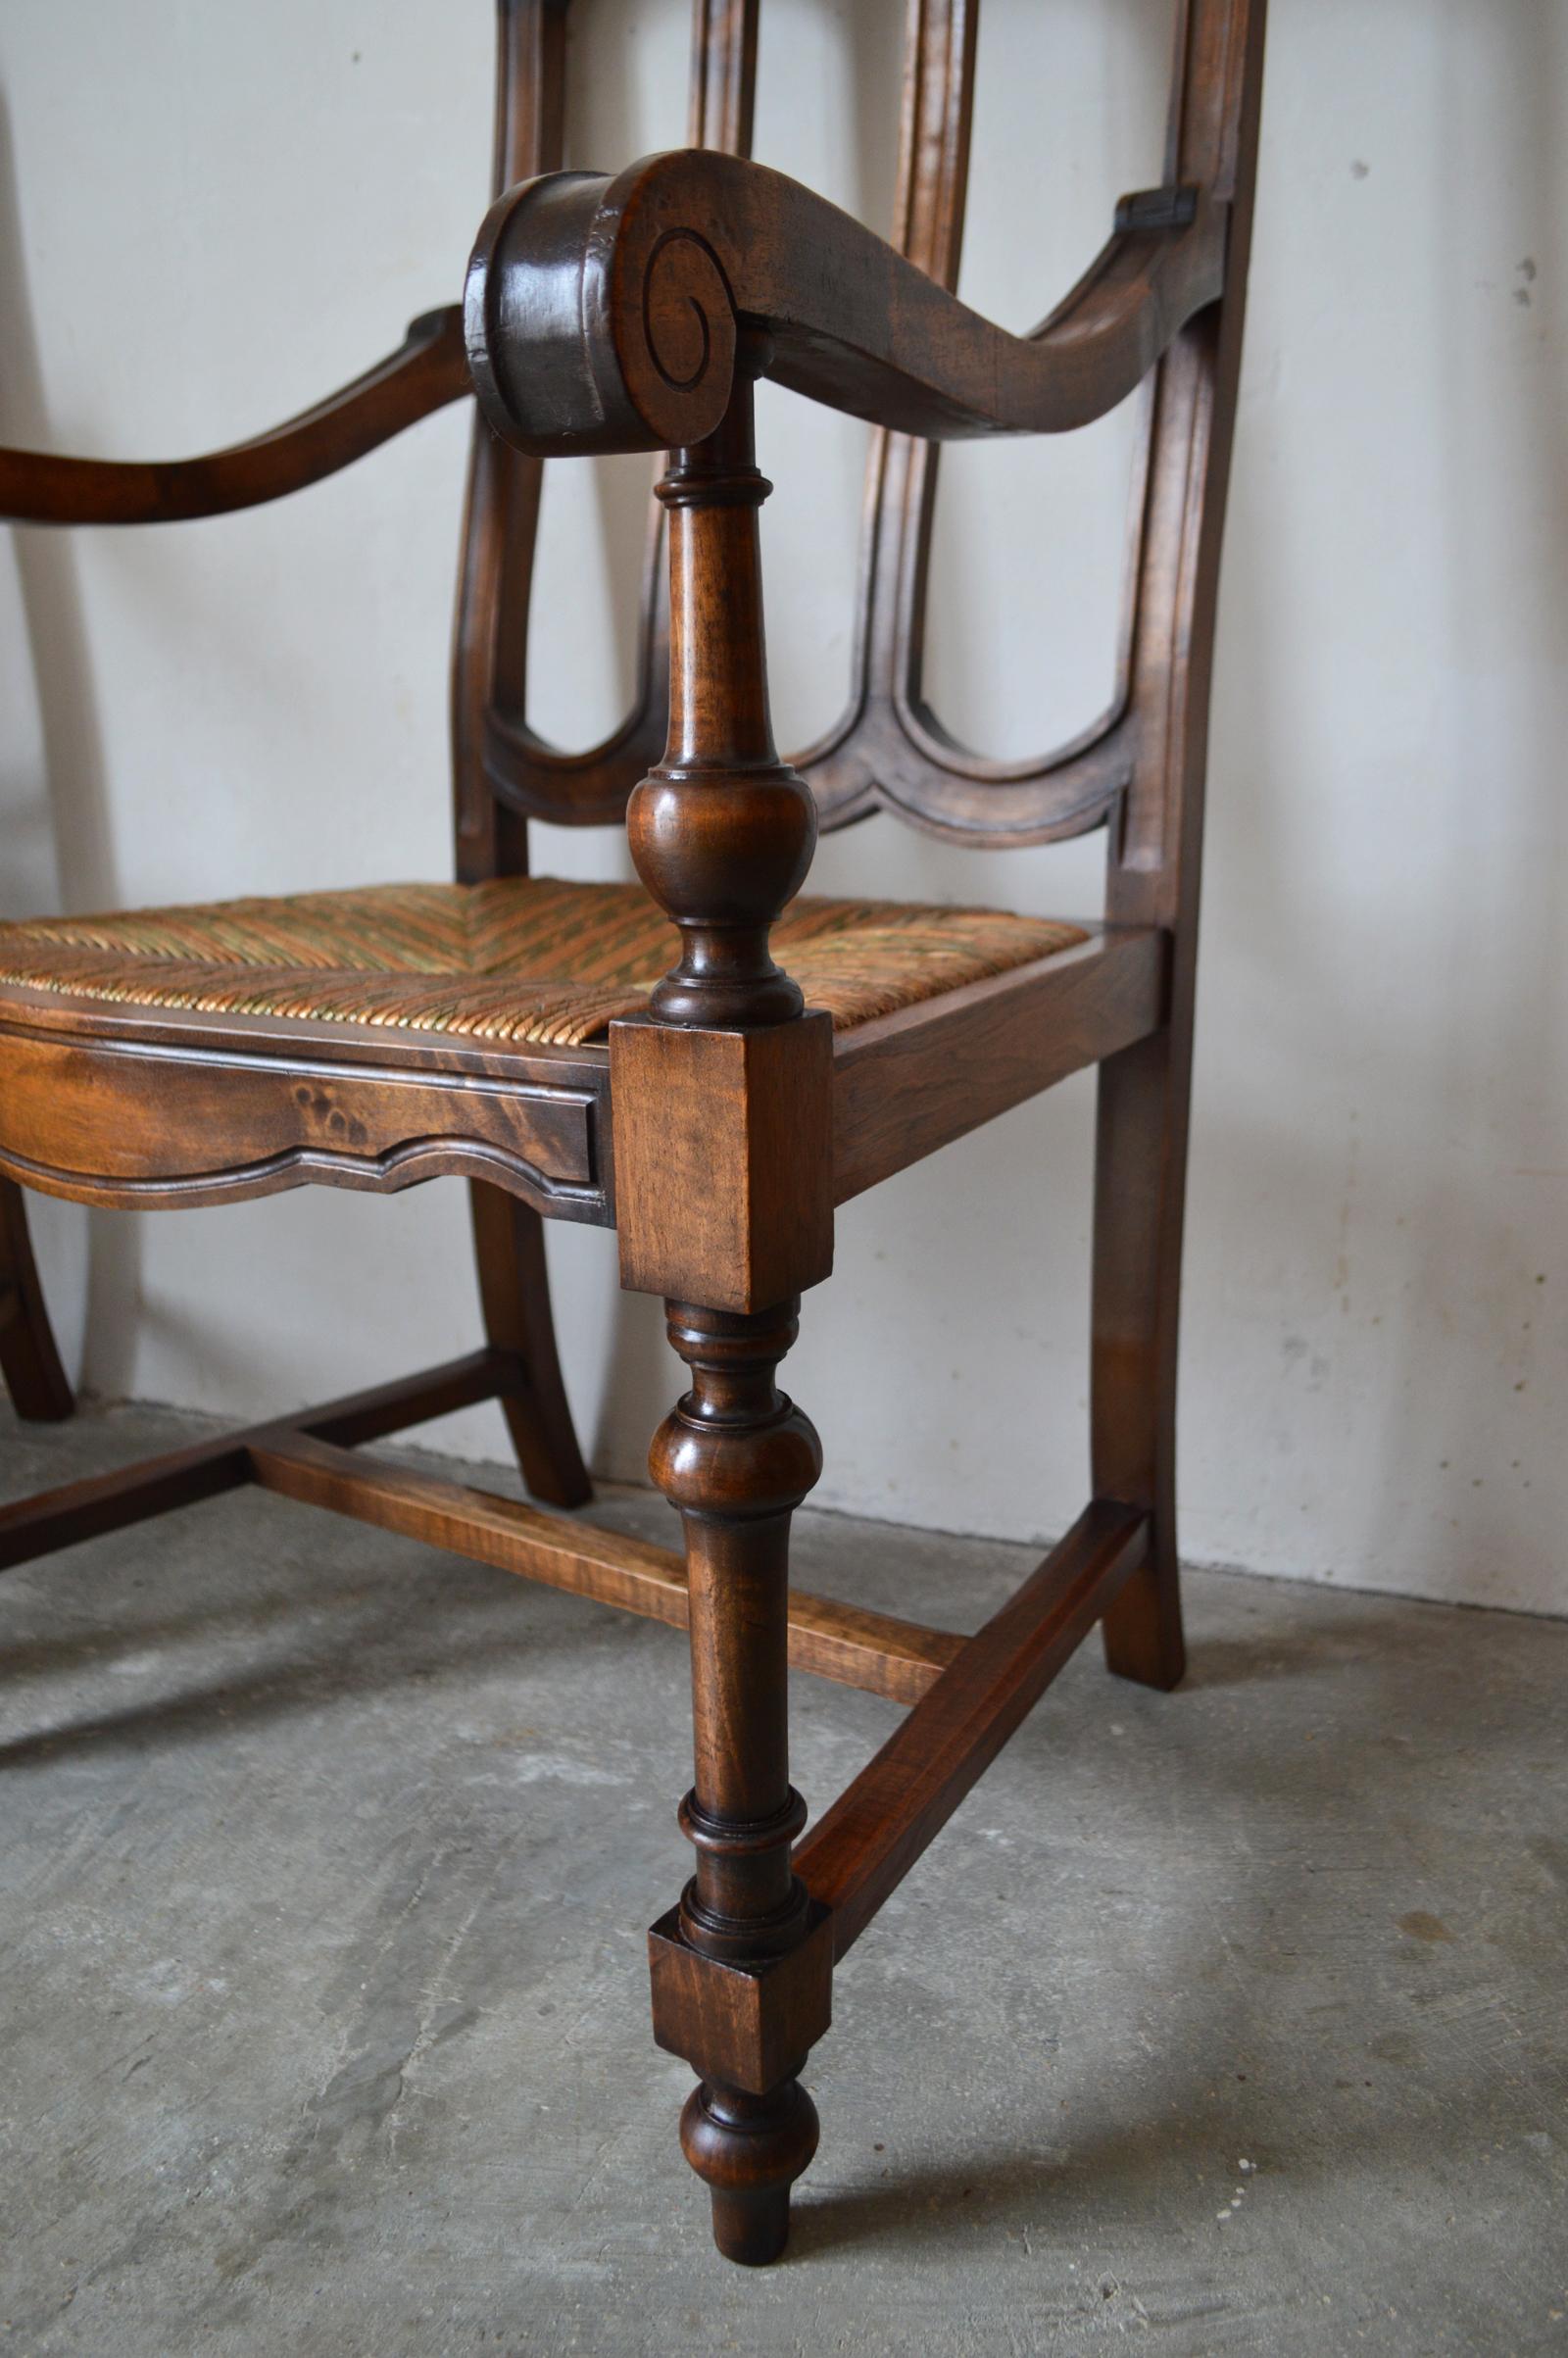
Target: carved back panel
888	749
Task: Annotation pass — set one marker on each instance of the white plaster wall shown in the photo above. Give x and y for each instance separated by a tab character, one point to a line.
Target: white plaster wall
209	213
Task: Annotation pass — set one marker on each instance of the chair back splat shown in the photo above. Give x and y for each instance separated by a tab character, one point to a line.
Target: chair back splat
1133	766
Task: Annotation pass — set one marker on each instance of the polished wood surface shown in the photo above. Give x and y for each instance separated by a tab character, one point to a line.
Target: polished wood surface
158	1115
720	829
309	1456
896	1659
865	1844
736	1458
147	1108
425	372
1154	872
720	1131
756	1105
84	1511
1011	1037
509	1243
29	1359
725	1207
728	1072
602	314
888	750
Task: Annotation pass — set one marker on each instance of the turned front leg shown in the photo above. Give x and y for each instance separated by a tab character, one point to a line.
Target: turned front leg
740	1968
724	1196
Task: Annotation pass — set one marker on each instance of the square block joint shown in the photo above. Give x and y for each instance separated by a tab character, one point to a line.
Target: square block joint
747	2027
723	1152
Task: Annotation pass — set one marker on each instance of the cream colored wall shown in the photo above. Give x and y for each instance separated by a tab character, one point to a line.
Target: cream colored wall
209	215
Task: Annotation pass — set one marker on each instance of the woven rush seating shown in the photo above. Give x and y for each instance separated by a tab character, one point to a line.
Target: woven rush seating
527	959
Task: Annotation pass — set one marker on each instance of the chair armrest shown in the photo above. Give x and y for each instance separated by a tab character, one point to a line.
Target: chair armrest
601	313
426	372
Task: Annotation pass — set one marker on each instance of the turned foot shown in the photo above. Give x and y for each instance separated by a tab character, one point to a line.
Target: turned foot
748	2151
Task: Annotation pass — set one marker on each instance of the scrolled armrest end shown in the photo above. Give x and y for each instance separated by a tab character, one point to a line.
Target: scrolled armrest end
601	314
593	322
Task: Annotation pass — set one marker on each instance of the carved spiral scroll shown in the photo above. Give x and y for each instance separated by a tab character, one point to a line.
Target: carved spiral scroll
580	340
686	309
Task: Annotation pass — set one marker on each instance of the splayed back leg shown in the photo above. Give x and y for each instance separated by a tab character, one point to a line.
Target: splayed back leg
29	1357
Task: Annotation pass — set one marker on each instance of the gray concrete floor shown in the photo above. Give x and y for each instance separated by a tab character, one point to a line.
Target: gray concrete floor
1225	2022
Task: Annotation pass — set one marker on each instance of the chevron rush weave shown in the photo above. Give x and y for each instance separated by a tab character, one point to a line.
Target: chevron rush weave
525	959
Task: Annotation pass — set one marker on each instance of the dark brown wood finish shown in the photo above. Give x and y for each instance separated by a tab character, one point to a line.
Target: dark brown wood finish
356	1132
736	1458
721	831
602	313
719	1132
501	515
1011	1037
425	372
488	676
756	1105
724	75
134	1493
730	1066
730	1072
896	1659
868	754
509	1243
166	1110
888	749
1156	857
29	1359
739	242
873	1834
507	771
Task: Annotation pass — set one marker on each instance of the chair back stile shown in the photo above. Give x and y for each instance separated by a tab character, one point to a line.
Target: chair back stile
501	509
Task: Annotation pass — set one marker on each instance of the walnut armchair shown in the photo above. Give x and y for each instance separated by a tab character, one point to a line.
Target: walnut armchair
509	1030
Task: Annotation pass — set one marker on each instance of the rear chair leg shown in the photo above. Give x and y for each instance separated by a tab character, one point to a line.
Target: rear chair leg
28	1358
740	1968
1140	1182
509	1243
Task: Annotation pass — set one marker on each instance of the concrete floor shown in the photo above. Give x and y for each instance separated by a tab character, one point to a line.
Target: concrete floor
1225	2022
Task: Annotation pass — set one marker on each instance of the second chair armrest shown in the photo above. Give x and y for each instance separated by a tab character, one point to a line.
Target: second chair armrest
601	313
425	372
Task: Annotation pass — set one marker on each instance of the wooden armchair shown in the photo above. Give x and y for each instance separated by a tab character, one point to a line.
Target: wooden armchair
508	1030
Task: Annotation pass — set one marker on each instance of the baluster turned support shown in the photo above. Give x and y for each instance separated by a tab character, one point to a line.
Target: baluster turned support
723	1167
723	831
